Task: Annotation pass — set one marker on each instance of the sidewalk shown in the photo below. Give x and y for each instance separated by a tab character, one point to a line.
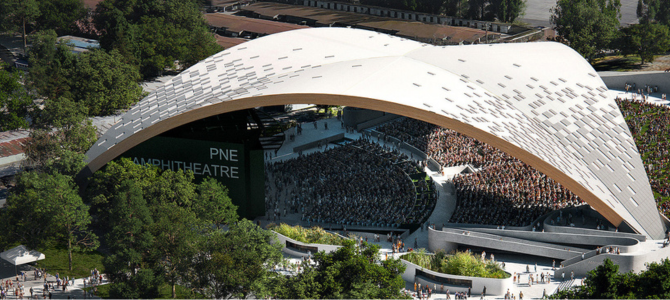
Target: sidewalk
7	273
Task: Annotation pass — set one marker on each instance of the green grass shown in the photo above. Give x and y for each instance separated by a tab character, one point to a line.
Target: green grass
82	262
619	63
165	292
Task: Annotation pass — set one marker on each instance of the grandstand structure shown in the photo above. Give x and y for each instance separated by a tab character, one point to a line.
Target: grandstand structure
539	102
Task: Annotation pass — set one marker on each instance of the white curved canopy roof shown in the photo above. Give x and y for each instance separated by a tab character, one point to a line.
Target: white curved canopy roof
539	102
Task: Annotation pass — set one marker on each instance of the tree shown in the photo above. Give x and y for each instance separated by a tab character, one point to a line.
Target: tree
60	15
55	213
349	272
456	8
589	26
235	263
655	281
61	134
129	237
15	103
508	10
103	83
155	35
50	64
105	184
18	13
176	231
649	11
71	218
143	285
645	40
213	204
27	214
66	162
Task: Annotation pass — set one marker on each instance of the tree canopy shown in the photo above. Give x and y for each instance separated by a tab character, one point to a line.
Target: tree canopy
645	40
588	26
16	15
606	282
15	103
60	15
351	272
100	83
45	210
654	10
155	35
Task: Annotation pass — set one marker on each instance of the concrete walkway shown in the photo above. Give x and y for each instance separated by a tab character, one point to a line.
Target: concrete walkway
72	292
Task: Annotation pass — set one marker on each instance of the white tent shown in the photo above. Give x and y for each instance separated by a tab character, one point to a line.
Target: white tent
21	255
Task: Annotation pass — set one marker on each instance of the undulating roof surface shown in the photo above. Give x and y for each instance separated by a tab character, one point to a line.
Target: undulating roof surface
540	102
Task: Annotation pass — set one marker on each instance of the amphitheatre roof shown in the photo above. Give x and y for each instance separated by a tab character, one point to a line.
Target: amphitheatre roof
539	102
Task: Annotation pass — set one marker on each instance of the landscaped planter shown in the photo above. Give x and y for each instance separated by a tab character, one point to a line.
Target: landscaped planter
293	247
455	283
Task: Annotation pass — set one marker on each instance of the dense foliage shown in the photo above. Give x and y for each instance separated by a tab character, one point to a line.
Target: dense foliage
458	263
155	35
15	103
45	210
591	27
351	272
588	26
314	235
605	282
645	40
654	11
98	81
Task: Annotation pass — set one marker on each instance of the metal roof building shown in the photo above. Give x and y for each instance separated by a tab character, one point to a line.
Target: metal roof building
539	102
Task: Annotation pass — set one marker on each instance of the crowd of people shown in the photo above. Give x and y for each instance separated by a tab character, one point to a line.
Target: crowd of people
505	191
650	126
361	183
447	147
510	194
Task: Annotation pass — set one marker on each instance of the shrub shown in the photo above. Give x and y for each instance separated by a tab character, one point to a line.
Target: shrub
314	235
459	263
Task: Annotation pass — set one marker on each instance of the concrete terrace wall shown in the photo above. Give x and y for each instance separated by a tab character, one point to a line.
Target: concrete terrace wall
493	286
617	80
635	263
321	247
627	243
449	239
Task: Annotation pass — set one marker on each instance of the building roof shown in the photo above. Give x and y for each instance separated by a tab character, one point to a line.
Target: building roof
239	24
92	4
423	31
408	29
320	15
227	2
539	102
227	42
